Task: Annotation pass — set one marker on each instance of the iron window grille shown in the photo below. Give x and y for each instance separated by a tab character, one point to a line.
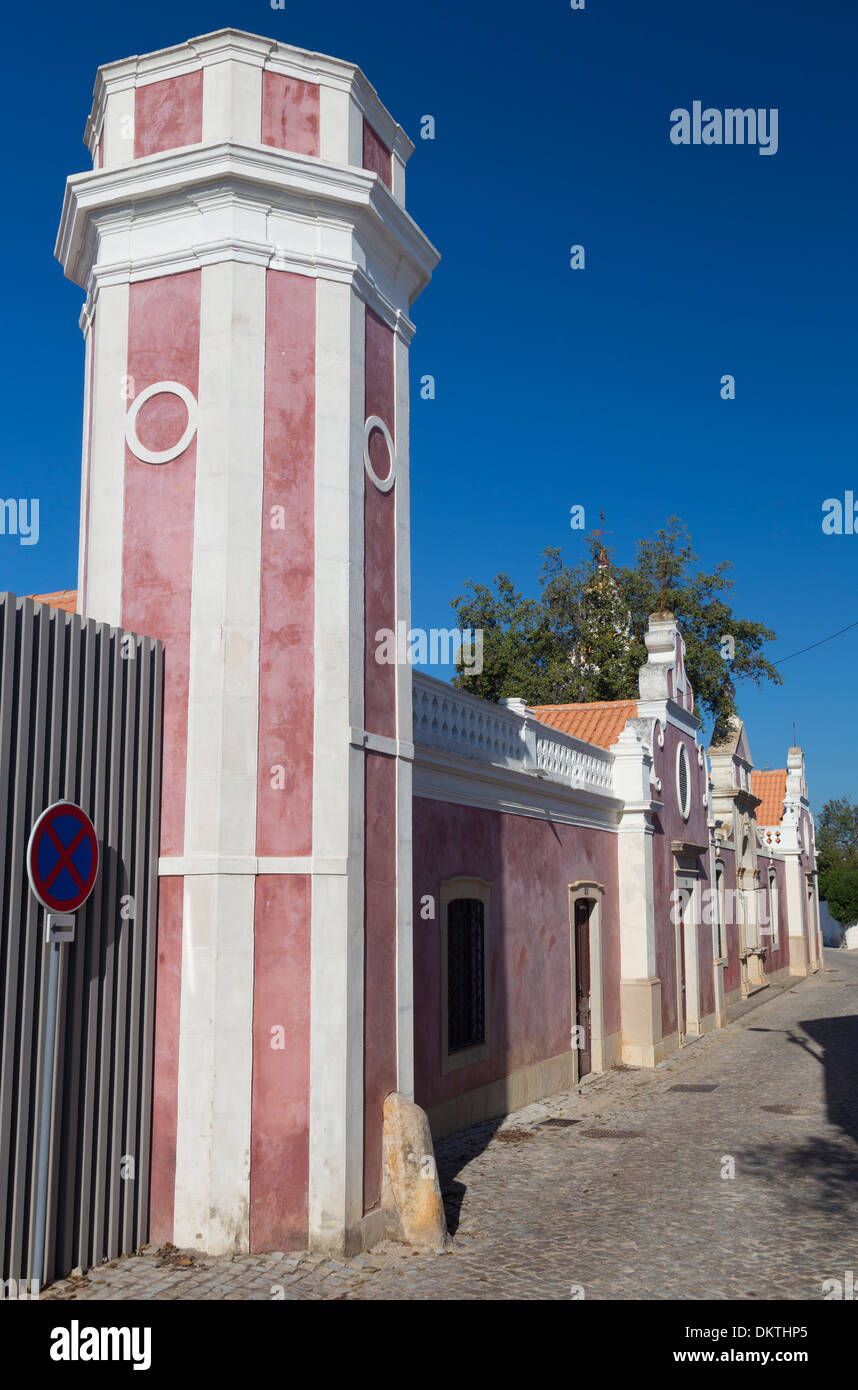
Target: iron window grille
773	911
719	908
466	984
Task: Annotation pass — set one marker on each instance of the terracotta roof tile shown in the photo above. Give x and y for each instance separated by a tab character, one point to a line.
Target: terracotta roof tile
770	787
600	722
66	599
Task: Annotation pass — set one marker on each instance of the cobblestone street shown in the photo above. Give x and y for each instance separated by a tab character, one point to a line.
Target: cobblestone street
618	1188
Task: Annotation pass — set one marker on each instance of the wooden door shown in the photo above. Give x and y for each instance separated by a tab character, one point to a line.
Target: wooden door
680	965
582	985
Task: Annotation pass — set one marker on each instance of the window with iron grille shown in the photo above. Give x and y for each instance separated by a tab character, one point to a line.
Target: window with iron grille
719	908
773	909
466	987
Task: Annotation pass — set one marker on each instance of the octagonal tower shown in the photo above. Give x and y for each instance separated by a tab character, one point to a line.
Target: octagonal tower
249	268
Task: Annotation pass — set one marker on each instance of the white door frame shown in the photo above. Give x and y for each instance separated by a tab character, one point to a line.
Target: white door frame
592	892
688	880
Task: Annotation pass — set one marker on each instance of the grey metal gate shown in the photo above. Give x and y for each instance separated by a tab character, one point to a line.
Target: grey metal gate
80	719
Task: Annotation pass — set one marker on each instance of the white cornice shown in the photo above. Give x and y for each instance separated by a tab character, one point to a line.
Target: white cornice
381	743
164	186
223	45
251	253
366	98
465	781
638	816
113	77
669	712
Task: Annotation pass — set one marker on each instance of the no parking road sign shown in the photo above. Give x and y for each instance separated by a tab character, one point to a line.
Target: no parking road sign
62	864
62	857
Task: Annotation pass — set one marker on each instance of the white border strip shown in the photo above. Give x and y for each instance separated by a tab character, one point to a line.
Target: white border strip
248	864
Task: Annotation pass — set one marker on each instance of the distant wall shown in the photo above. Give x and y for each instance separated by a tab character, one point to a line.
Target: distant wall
832	932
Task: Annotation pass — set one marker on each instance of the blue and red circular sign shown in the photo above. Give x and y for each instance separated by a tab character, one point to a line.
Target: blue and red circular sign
62	857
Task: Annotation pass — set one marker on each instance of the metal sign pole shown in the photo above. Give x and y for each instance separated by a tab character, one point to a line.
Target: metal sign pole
62	865
58	928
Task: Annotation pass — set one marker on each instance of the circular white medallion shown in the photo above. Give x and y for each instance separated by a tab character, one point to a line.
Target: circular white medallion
159	388
374	423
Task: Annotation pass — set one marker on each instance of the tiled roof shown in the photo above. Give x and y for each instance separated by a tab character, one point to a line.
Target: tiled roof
66	599
770	787
600	722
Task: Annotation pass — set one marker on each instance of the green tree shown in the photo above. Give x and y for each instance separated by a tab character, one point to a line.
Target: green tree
582	638
522	656
838	888
837	835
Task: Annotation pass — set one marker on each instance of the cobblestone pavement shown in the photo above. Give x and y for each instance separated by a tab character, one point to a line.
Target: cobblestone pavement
625	1197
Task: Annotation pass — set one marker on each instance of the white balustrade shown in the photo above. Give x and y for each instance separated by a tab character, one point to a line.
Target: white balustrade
568	759
454	721
457	722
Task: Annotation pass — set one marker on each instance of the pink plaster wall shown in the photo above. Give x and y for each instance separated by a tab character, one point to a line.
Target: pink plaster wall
279	1170
163	345
166	1067
280	1103
376	155
379	531
290	113
732	970
705	949
380	1065
530	864
168	114
380	1061
284	816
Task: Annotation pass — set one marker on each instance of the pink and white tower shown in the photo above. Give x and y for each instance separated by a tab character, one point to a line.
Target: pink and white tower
249	268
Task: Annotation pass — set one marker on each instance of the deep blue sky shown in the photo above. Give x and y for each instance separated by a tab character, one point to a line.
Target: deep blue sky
553	387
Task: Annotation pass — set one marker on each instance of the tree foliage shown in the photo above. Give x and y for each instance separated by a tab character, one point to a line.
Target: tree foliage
838	888
837	834
837	858
582	638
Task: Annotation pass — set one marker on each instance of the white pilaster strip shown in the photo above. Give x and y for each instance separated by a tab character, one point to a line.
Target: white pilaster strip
795	896
232	100
637	911
83	521
106	517
355	134
118	147
816	928
632	772
212	1199
337	937
398	178
334	118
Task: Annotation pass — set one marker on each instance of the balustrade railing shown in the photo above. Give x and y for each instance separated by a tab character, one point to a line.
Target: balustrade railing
454	721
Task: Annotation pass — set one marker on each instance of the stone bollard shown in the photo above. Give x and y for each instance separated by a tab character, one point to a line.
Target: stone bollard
412	1193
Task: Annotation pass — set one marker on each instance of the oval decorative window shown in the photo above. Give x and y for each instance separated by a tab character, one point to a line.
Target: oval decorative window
683	780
